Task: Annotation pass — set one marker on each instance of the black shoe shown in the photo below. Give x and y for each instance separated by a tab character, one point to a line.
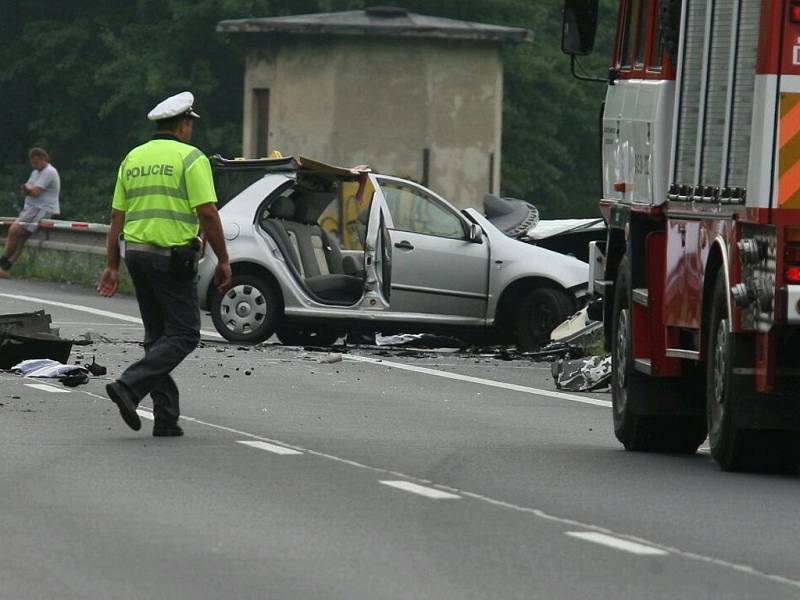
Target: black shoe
160	430
127	407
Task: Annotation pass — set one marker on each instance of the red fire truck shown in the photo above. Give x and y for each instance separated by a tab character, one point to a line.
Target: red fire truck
700	273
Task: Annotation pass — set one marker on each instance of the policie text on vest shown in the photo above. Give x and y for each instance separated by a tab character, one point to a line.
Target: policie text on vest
162	169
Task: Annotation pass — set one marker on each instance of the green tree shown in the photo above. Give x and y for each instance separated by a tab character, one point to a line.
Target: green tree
77	77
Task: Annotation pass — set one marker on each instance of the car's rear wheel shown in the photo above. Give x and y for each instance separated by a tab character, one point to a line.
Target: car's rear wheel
298	336
541	311
248	311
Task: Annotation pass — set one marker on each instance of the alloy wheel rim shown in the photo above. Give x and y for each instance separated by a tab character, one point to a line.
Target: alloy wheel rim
243	309
622	354
720	363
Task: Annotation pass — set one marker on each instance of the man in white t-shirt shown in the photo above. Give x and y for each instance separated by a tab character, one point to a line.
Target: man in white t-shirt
41	201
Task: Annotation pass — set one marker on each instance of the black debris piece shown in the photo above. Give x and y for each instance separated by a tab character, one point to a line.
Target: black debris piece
96	369
30	335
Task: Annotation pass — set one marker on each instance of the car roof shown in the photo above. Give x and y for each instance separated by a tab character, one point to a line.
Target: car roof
284	164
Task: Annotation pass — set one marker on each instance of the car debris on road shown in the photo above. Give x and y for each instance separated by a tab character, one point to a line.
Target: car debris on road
45	368
30	335
582	374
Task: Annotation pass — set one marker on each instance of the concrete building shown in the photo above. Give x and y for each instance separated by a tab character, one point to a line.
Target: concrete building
410	95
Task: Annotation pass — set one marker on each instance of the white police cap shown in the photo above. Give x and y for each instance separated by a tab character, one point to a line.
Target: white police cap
179	104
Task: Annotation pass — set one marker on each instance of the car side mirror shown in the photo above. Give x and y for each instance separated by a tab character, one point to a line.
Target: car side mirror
579	27
475	233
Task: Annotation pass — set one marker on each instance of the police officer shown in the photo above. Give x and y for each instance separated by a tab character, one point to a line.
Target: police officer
163	196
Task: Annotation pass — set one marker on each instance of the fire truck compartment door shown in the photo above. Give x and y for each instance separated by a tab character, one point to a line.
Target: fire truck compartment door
636	140
684	274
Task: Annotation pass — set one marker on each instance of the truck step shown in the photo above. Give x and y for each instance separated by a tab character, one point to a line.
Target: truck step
640	296
643	365
681	353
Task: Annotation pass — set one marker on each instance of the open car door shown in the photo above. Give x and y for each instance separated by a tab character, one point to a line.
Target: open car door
377	254
385	271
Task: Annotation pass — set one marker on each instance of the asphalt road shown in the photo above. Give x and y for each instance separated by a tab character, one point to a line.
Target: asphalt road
375	477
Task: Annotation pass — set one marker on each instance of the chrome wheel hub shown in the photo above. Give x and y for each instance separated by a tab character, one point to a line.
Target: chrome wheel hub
243	309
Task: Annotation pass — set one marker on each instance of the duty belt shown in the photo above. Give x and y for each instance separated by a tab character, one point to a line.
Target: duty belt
151	248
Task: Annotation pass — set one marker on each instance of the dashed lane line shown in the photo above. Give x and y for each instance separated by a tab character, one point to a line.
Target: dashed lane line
145	414
617	543
535	512
487	382
96	311
480	381
421	490
274	448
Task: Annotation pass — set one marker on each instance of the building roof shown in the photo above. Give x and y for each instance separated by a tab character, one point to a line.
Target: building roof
377	21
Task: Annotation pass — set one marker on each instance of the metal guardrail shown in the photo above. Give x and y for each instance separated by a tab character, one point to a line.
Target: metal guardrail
64	236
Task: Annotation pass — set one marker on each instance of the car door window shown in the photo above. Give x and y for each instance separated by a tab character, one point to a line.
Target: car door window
413	210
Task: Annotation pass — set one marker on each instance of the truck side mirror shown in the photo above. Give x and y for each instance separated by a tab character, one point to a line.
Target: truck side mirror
579	27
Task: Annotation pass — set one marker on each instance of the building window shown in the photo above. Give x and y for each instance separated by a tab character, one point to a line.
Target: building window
261	112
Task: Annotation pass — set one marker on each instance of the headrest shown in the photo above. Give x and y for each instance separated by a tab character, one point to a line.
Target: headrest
282	208
305	213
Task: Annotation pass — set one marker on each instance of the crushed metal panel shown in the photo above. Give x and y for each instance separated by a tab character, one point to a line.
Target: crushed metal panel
326	169
582	374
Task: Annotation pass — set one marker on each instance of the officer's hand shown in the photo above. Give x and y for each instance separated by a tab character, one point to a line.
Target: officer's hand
109	282
222	277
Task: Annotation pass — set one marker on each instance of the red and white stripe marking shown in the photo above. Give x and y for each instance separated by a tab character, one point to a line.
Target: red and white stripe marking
53	224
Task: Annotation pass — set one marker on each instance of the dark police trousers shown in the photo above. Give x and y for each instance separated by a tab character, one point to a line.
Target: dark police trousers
171	316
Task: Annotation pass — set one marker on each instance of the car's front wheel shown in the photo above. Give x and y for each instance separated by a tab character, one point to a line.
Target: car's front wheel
541	311
248	311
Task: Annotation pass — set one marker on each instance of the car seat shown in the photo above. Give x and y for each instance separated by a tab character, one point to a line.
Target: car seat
316	257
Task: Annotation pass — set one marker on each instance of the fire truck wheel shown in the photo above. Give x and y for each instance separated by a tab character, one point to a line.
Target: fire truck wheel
734	447
541	311
641	432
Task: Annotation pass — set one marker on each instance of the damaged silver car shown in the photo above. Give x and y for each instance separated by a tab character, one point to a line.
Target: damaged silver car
319	251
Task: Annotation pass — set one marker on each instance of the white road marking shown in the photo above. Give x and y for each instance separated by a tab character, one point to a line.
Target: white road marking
617	543
524	509
529	510
488	382
103	324
422	490
145	414
47	388
96	311
275	449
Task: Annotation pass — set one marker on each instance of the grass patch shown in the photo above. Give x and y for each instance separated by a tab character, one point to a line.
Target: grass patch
76	268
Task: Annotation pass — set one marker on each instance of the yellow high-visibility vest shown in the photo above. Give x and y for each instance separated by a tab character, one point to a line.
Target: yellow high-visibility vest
159	186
